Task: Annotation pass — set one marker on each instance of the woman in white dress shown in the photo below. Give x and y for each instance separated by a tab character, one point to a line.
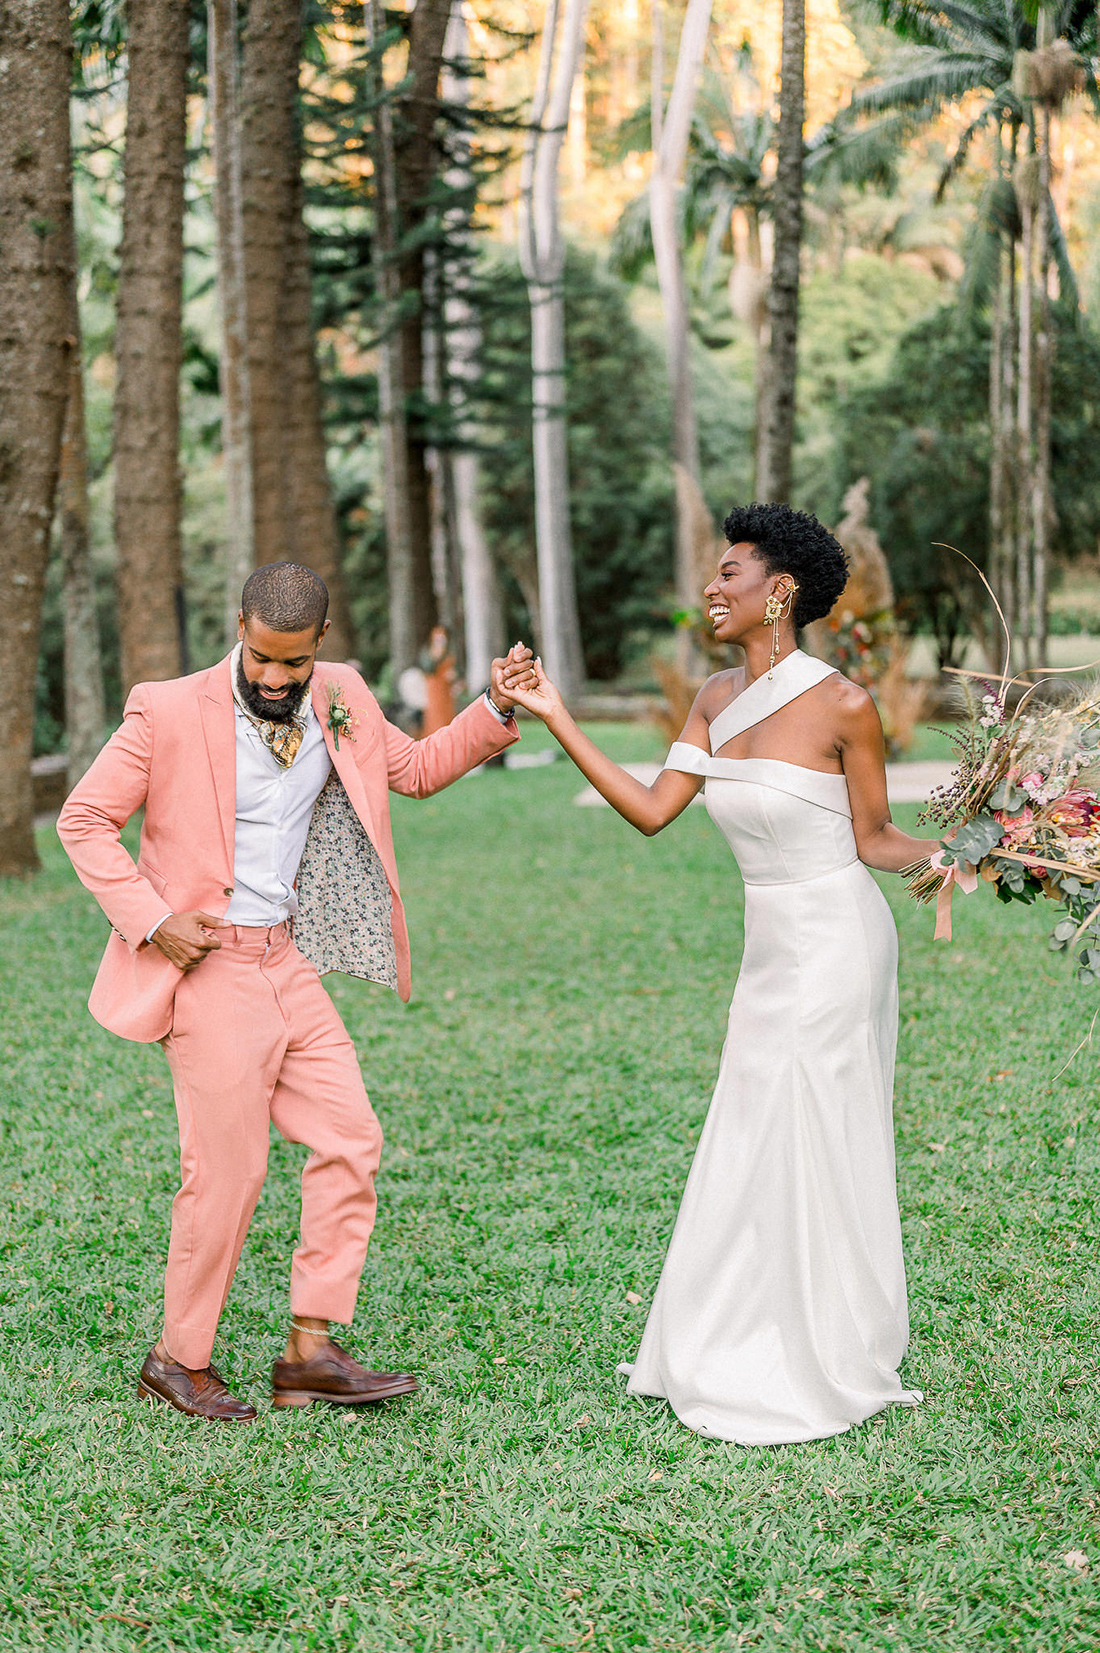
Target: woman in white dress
781	1310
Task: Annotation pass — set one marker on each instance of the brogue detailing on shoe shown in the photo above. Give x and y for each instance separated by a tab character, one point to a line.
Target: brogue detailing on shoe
197	1394
332	1374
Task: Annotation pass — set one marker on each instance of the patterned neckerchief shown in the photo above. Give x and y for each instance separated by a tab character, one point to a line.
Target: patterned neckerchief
283	740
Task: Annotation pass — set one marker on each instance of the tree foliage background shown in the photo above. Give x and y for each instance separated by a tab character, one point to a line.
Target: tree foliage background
893	354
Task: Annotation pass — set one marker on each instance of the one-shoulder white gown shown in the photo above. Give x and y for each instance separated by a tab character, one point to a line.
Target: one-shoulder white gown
781	1314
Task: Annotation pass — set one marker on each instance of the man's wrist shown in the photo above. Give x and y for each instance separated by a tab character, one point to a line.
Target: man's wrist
505	717
149	934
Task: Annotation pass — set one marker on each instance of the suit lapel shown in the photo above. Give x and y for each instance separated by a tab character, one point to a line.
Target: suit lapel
220	732
343	757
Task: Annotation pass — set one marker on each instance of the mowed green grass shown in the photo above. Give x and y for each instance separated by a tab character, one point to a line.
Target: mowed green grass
541	1097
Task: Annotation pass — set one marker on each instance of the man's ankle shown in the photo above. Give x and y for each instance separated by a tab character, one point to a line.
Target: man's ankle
306	1336
164	1353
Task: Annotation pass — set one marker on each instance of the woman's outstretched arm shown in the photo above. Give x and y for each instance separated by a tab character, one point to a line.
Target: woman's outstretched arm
649	808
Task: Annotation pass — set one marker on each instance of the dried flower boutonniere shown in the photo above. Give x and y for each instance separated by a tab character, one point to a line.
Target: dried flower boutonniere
340	718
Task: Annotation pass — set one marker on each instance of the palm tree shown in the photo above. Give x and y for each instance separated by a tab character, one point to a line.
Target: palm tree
1021	71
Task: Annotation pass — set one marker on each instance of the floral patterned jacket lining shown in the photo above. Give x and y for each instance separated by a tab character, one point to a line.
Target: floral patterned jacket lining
344	898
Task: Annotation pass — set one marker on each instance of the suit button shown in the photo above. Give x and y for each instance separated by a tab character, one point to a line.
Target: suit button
227	892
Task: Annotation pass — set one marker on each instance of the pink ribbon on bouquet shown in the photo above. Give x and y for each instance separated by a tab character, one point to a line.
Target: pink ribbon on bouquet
960	873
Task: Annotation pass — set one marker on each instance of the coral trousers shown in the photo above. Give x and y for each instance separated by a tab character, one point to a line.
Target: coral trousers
255	1038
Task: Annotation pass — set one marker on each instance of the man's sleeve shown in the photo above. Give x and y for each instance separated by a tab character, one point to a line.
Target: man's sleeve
420	767
94	815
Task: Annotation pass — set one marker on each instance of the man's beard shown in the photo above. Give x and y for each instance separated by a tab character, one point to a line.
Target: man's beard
271	711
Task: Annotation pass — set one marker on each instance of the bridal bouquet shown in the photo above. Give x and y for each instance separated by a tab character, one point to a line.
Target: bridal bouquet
1024	804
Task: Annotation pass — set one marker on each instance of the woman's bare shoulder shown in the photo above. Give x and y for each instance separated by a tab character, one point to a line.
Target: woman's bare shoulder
718	691
852	706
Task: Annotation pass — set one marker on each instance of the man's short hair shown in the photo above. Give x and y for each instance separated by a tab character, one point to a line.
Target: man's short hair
286	596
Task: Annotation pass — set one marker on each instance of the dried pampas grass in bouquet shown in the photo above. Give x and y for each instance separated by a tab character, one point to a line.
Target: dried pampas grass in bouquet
1023	809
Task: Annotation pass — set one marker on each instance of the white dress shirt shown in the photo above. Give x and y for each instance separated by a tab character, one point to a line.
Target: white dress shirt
274	806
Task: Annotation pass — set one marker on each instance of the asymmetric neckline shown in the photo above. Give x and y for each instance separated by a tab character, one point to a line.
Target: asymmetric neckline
793	676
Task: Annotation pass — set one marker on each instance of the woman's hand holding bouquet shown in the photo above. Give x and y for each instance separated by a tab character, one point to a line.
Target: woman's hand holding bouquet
1026	814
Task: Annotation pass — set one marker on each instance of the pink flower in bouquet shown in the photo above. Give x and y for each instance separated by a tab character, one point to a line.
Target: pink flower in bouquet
1017	827
1075	812
1032	784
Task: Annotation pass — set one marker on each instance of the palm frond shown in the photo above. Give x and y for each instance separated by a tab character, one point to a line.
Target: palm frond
632	239
721	206
955	23
864	155
998	27
914	20
632	136
981	269
932	80
991	111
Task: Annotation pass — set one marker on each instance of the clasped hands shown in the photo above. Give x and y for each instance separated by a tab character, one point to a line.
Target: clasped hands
516	671
520	680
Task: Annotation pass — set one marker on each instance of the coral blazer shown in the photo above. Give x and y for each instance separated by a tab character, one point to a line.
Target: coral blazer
176	753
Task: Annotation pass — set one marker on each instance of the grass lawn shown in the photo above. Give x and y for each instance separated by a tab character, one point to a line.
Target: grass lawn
541	1097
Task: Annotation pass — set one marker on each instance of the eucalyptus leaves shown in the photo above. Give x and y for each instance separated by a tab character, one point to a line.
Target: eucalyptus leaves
1024	806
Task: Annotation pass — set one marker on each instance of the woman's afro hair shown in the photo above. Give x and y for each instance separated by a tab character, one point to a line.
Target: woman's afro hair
795	543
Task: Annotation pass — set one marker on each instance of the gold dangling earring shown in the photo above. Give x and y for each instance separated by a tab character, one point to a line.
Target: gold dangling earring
775	609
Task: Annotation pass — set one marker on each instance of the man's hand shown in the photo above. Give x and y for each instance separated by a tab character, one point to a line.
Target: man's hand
186	938
516	670
536	694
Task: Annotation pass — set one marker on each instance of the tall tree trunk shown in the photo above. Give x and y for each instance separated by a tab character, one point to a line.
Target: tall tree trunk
446	576
148	345
293	512
84	709
1025	192
748	295
1002	417
1040	502
776	434
225	124
406	159
482	608
269	167
314	532
542	258
1000	456
36	250
405	559
671	132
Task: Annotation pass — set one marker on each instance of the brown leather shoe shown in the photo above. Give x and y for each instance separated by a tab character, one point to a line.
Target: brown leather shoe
199	1394
331	1374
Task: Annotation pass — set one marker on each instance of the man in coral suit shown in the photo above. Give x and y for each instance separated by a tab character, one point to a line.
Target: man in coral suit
265	782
